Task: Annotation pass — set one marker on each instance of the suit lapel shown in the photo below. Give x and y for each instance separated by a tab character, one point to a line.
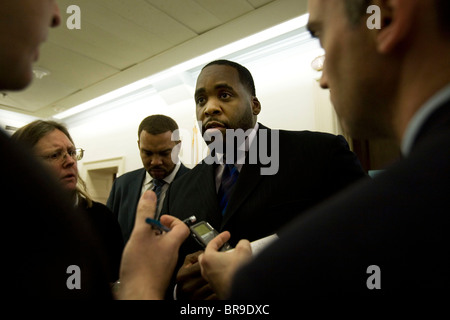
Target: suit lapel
437	121
181	171
207	196
249	178
135	193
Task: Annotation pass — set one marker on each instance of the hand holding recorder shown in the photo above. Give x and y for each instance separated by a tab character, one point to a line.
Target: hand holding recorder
218	268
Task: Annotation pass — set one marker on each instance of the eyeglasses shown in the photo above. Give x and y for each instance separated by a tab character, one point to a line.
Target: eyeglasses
58	156
317	63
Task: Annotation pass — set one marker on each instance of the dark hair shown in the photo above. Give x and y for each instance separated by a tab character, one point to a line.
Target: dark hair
157	124
244	75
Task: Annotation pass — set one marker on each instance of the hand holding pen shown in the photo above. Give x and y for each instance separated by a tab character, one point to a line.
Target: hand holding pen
157	225
150	257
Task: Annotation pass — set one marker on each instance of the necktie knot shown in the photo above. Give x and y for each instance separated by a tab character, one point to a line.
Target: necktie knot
158	183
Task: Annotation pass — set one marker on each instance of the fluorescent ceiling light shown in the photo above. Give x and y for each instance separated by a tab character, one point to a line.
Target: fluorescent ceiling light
40	72
262	36
110	96
247	42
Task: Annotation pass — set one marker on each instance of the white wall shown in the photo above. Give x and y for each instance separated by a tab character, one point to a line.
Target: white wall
13	119
114	133
286	87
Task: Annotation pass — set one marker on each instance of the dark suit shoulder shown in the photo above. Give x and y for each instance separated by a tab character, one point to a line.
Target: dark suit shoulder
100	209
194	182
307	134
310	137
107	229
318	145
304	134
99	213
189	175
183	169
397	221
131	176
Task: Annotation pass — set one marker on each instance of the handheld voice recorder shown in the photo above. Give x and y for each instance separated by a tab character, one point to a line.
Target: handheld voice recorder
203	233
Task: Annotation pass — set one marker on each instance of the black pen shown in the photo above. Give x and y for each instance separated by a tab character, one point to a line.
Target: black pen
157	224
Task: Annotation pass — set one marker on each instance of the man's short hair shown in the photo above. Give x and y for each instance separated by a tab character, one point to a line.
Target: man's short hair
157	124
245	77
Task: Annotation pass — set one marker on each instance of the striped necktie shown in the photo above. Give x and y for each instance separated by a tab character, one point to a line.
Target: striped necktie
157	188
229	177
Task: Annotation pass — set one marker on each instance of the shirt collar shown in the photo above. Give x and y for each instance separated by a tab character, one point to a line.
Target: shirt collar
420	118
148	178
243	147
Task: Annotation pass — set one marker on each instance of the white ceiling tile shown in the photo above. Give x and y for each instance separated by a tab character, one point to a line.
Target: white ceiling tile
76	70
259	3
119	36
146	16
188	13
226	10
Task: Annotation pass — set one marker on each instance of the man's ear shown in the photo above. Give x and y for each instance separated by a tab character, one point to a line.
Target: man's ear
397	21
256	106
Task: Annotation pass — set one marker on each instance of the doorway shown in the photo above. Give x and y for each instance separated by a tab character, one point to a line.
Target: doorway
100	175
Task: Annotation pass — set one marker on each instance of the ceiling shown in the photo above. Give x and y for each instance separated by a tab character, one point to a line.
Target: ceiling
121	42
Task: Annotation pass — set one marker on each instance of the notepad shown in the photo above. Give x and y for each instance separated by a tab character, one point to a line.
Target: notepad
259	245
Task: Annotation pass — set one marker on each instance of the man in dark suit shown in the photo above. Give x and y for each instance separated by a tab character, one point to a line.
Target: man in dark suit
159	147
388	235
303	168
